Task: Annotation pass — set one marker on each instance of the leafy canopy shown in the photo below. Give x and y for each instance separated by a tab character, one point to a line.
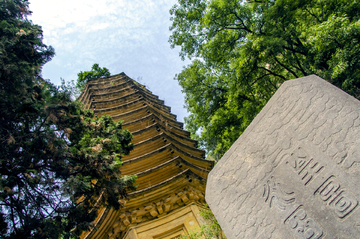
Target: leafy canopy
56	158
95	73
242	51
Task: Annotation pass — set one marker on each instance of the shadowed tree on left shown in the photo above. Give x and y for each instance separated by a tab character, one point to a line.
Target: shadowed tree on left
56	159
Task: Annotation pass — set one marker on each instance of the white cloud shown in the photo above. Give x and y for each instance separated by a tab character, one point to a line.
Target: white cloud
131	19
59	13
82	13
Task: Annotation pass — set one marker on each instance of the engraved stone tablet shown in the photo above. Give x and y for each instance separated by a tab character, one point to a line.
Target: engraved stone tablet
295	171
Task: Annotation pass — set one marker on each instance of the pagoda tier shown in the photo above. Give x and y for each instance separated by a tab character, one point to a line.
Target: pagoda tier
171	170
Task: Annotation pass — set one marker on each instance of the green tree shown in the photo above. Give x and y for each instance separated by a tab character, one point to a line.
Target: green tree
95	73
56	158
243	51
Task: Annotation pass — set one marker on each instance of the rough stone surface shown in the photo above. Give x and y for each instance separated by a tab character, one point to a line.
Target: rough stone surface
294	172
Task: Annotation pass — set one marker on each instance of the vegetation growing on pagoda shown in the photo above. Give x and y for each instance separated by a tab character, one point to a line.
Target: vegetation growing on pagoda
208	230
95	73
56	159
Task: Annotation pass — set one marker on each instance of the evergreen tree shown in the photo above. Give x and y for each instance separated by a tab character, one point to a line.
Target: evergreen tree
56	159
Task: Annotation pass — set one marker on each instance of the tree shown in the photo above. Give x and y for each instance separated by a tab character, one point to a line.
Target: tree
56	159
95	73
243	51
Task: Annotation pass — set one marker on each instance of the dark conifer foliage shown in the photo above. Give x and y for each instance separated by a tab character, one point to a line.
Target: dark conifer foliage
56	159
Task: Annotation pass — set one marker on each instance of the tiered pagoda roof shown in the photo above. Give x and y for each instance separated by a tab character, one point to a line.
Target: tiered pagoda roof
171	170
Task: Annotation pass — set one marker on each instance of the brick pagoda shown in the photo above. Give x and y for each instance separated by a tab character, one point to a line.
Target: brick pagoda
171	170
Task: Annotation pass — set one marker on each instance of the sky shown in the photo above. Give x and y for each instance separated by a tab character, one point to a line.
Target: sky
129	36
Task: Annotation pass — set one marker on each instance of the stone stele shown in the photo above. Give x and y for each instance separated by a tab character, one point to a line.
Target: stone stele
294	172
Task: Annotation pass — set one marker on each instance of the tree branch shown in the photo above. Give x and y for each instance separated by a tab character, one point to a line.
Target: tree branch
288	69
272	73
313	15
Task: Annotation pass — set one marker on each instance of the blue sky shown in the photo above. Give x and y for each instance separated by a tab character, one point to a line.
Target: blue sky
128	36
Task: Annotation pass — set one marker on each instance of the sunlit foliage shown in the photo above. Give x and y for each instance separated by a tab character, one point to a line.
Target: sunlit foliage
242	51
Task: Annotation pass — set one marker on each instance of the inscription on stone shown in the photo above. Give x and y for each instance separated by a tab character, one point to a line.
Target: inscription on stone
306	167
295	171
292	214
303	226
338	198
276	197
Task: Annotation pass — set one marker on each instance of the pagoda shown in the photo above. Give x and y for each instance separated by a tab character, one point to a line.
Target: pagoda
171	170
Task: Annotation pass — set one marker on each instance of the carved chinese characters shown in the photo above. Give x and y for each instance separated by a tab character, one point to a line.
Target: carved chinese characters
339	199
290	212
295	171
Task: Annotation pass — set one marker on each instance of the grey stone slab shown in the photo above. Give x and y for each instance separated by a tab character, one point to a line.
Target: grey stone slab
295	171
